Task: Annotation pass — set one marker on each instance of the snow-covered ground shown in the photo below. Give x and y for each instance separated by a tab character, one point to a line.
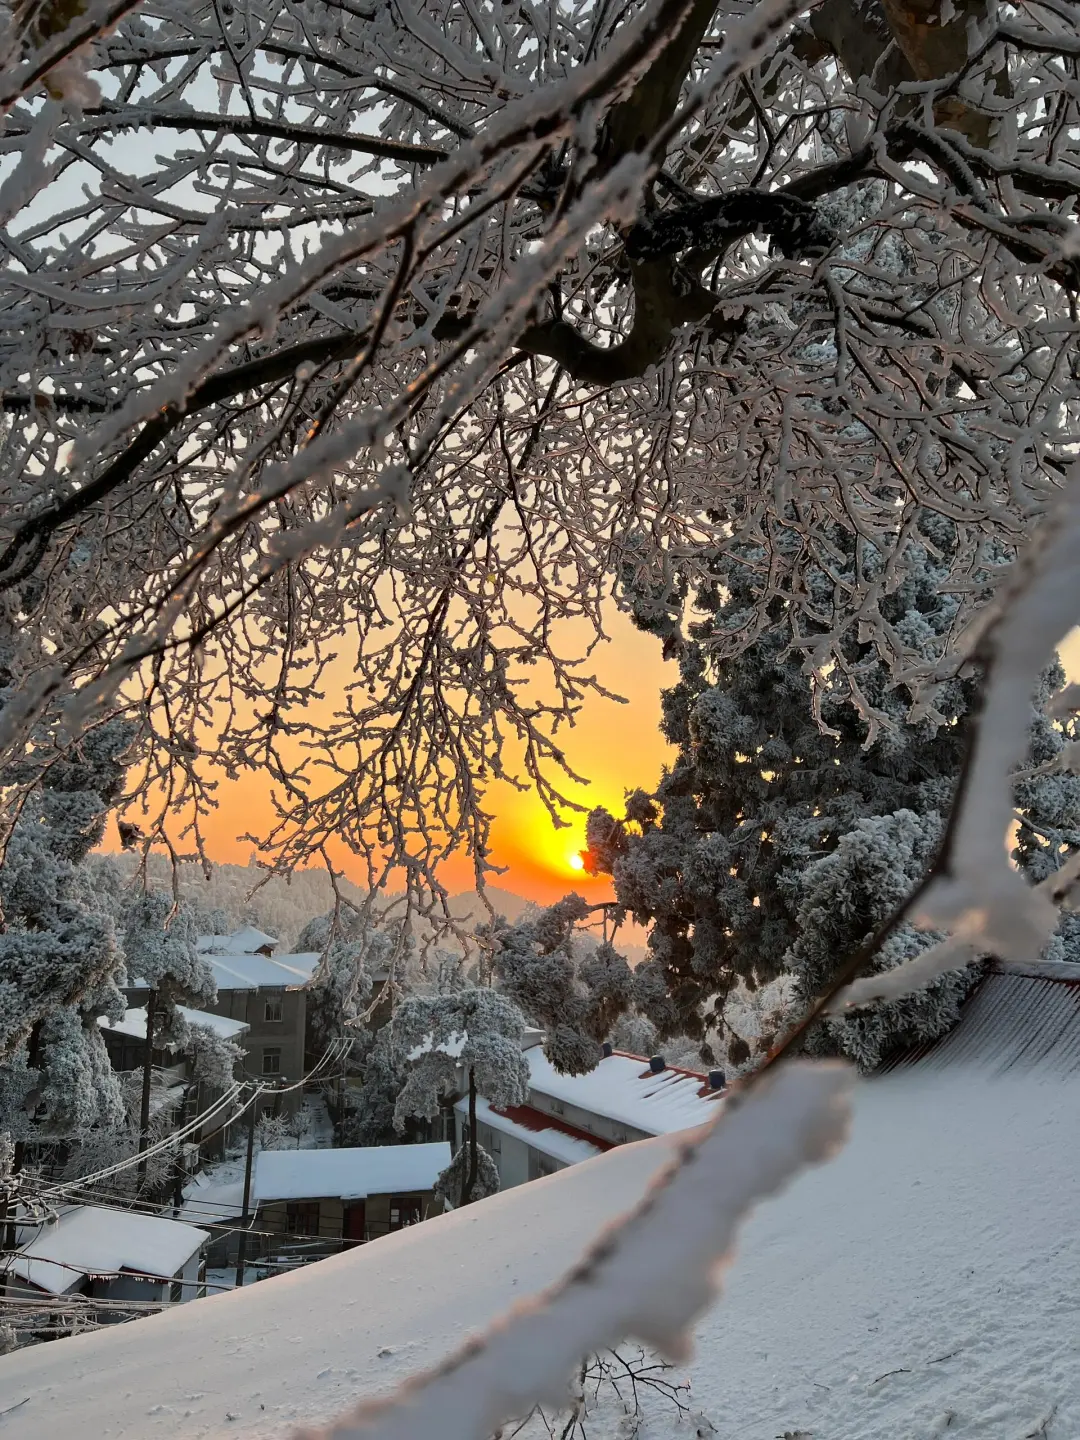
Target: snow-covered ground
926	1284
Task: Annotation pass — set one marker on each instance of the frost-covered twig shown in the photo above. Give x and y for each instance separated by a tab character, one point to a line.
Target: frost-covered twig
975	893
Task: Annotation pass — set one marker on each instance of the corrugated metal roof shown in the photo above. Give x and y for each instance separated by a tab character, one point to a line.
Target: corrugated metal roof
1019	1018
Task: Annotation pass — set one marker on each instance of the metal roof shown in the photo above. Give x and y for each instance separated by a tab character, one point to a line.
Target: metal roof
1022	1018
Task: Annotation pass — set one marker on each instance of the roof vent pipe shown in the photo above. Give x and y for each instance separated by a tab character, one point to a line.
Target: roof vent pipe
609	1049
716	1080
656	1064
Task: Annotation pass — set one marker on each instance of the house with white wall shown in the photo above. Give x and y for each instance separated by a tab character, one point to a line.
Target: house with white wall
107	1255
569	1118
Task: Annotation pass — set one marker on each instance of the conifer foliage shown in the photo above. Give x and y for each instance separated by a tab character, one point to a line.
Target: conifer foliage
576	995
352	949
59	956
791	823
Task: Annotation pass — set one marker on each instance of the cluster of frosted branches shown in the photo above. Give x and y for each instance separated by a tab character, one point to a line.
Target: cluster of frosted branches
373	340
623	1386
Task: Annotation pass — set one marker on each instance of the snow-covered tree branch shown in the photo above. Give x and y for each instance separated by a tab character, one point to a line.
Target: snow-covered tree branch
400	333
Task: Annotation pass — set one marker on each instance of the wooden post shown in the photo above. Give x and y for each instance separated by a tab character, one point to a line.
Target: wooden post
147	1077
241	1249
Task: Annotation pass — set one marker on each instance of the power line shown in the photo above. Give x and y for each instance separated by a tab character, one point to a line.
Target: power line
167	1143
334	1052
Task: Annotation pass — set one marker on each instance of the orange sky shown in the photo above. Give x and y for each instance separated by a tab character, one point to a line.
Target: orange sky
619	747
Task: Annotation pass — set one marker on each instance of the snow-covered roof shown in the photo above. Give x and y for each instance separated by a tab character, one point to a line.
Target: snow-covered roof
1023	1017
134	1023
350	1174
938	1246
245	941
88	1240
254	972
542	1132
624	1089
209	1198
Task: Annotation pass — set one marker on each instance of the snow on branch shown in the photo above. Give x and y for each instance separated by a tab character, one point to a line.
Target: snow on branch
975	893
649	1275
951	953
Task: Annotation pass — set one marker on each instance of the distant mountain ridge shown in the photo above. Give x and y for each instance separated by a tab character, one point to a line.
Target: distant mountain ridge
282	907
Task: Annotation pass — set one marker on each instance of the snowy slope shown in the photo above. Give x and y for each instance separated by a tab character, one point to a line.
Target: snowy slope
940	1244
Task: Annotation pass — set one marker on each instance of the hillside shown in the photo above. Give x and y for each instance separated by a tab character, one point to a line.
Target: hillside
283	906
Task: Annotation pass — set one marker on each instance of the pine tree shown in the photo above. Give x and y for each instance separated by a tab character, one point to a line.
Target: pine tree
846	895
341	987
59	957
160	952
575	994
470	1026
368	1118
734	860
451	1182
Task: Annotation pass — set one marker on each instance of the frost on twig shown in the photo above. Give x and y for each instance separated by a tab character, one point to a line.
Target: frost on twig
649	1275
949	954
976	894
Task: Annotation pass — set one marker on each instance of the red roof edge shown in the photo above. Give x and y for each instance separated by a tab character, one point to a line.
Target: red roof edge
673	1069
530	1118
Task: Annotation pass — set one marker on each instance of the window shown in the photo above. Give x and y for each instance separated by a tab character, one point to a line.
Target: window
273	1011
404	1210
540	1165
271	1061
302	1217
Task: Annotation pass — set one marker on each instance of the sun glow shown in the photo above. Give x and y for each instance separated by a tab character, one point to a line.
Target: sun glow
575	861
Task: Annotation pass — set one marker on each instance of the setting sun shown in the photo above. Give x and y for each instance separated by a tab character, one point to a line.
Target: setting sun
576	862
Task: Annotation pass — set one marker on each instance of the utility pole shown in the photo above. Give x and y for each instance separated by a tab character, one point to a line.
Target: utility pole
147	1076
241	1249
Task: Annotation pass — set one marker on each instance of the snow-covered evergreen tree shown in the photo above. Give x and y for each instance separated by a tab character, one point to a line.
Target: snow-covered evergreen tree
59	957
341	988
368	1118
472	1027
774	769
450	1185
846	895
160	950
575	994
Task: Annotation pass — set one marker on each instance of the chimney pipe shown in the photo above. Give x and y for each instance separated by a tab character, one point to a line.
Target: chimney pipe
716	1080
656	1064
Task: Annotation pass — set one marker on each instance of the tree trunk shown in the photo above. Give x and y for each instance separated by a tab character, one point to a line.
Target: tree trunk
470	1176
147	1077
9	1205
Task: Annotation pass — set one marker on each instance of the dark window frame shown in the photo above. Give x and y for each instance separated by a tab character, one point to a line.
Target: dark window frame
302	1217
